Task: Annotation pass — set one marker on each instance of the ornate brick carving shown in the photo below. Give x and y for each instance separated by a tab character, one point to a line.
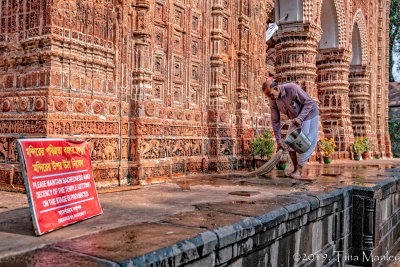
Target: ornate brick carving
333	95
147	80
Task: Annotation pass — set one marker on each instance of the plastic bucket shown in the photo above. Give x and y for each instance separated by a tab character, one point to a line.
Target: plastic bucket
298	141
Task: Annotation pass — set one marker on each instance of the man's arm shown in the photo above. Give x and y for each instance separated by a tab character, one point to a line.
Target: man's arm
276	121
306	102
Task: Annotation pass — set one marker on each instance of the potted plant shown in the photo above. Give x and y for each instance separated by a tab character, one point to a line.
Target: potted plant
263	146
367	147
358	148
326	147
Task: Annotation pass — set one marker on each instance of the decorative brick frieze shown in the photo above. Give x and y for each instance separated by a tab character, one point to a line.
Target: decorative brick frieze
179	81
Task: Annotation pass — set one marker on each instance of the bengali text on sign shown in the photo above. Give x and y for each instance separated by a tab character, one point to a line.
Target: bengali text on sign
59	182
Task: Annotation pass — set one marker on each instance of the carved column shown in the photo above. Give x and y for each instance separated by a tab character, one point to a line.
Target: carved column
333	93
221	143
360	102
388	145
242	89
296	52
372	70
241	98
380	108
141	72
141	89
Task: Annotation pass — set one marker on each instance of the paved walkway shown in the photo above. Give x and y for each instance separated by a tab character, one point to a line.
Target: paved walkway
136	222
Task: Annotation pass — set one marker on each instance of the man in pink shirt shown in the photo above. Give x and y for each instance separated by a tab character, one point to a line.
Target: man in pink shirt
295	103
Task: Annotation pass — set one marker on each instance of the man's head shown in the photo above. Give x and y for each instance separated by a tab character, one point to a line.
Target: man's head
271	90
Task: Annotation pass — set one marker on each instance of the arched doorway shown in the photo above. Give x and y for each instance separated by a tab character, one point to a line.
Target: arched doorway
360	89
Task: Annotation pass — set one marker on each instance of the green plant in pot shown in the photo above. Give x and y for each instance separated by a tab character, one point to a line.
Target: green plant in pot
326	147
263	145
358	148
367	147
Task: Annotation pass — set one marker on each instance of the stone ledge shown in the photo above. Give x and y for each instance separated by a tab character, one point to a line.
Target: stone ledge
331	197
298	209
388	186
179	253
315	224
228	235
235	240
273	218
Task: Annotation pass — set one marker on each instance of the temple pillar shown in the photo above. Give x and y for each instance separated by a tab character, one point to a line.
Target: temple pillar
360	103
242	108
383	137
142	147
296	51
333	93
221	141
385	40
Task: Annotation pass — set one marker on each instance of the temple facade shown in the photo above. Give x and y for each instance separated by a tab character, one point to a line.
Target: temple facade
162	88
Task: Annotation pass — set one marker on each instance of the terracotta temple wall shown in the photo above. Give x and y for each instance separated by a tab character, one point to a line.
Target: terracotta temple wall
163	88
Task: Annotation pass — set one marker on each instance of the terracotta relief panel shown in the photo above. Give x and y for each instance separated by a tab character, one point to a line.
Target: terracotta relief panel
178	94
160	12
196	24
178	42
158	90
179	17
160	38
196	49
189	70
195	95
178	68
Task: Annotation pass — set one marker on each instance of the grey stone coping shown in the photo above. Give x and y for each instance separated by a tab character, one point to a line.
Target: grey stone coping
209	242
223	237
179	253
331	197
388	186
230	234
273	218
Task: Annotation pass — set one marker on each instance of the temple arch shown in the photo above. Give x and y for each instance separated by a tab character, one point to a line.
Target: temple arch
337	8
356	46
292	8
329	38
359	23
359	79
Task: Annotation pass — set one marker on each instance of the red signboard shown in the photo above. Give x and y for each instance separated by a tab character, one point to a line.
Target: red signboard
59	182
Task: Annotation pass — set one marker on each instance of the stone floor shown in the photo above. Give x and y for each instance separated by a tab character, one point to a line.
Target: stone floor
136	222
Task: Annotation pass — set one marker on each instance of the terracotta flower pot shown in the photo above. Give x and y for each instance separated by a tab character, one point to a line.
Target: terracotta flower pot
357	157
327	160
365	155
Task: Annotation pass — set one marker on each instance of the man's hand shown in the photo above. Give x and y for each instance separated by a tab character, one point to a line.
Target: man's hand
296	122
279	146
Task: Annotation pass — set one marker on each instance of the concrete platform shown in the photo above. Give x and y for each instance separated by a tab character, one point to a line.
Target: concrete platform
137	222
